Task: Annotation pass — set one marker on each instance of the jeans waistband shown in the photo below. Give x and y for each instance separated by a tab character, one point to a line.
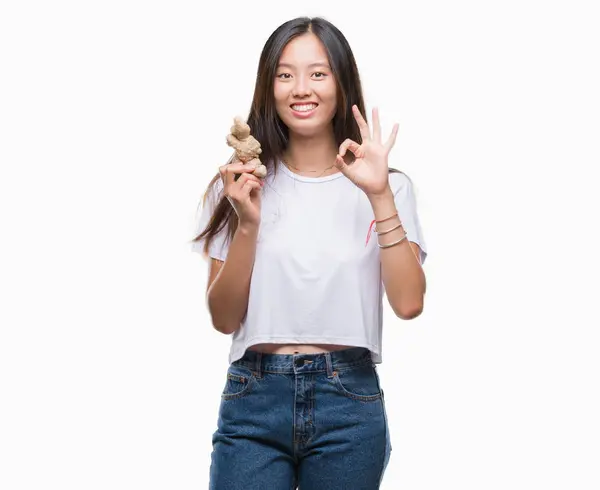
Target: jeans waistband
305	363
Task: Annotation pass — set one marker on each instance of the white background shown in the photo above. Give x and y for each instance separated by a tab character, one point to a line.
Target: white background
113	118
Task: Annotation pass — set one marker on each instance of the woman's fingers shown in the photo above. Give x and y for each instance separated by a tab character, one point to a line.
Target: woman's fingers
362	124
229	171
247	177
376	126
250	185
239	188
392	139
349	144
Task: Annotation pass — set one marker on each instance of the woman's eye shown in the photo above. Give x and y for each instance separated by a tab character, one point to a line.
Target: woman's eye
287	76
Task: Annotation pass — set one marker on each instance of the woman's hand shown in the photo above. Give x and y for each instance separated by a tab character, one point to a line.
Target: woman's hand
244	194
370	169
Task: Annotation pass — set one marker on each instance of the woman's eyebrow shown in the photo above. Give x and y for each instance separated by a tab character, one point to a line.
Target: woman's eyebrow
312	65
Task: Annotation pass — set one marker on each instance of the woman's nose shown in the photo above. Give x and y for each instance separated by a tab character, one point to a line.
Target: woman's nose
301	88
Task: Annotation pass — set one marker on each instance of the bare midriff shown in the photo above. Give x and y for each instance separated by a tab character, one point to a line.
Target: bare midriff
297	348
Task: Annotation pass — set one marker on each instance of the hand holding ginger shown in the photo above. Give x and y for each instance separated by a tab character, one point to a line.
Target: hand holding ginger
246	147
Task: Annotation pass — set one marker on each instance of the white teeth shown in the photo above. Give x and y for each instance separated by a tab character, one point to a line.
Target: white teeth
304	107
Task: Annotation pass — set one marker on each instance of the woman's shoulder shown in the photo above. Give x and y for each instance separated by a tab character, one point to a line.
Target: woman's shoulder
399	180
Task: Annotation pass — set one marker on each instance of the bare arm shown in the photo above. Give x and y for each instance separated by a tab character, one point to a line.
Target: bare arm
401	269
229	281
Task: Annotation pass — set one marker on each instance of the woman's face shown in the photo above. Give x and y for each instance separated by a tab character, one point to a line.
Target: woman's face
305	89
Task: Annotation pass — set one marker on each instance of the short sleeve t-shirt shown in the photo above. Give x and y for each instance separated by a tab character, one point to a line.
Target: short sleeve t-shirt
316	277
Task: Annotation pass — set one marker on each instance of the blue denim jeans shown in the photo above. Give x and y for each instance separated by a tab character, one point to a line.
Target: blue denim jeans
307	421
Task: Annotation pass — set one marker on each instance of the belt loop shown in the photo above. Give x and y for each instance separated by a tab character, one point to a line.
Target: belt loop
329	363
258	365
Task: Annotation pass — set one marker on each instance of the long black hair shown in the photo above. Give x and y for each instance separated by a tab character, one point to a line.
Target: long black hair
266	125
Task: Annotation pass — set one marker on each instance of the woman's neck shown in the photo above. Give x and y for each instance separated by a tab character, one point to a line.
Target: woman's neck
314	154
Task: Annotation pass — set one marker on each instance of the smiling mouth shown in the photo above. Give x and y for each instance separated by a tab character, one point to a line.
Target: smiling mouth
304	107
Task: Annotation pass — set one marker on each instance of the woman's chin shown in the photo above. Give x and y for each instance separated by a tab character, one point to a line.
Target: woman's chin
307	127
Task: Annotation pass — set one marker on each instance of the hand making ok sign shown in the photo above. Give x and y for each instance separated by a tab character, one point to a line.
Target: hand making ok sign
369	171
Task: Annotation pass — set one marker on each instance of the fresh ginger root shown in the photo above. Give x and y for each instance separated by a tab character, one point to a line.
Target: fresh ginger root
247	148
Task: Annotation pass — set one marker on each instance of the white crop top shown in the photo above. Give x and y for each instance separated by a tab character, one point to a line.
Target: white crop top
315	279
